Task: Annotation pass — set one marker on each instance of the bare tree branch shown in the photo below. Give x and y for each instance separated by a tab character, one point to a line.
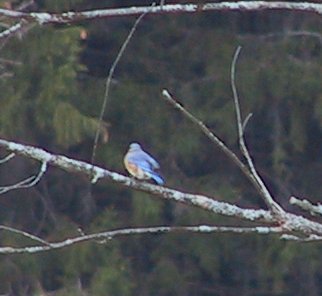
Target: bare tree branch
306	205
29	182
7	158
289	222
23	233
104	237
70	17
275	207
11	31
85	168
108	235
310	238
213	138
219	143
20	27
25	5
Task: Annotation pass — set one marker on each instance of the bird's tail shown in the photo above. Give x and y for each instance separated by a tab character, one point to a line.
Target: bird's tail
157	178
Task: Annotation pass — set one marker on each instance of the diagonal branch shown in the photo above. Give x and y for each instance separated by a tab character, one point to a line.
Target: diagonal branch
11	31
89	170
291	222
216	140
24	233
274	206
219	143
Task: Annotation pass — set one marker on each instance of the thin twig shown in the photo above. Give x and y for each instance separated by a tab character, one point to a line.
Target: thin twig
108	83
18	185
7	158
25	5
26	183
274	206
24	233
248	117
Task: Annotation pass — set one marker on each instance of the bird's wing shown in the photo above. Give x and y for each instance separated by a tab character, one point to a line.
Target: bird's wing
140	160
143	159
154	164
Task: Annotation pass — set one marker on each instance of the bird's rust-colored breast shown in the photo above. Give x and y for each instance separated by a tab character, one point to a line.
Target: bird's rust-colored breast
134	170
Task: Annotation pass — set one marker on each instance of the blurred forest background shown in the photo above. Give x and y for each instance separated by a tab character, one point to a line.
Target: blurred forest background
52	81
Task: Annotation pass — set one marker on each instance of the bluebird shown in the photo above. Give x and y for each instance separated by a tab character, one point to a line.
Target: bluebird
141	165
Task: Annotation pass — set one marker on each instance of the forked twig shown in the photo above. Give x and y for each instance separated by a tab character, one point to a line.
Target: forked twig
274	206
249	170
214	139
26	183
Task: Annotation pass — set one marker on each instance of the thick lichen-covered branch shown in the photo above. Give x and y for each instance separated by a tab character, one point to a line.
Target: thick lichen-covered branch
307	205
72	16
290	222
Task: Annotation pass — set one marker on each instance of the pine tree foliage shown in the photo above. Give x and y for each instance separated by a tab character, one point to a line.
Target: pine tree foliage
43	88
